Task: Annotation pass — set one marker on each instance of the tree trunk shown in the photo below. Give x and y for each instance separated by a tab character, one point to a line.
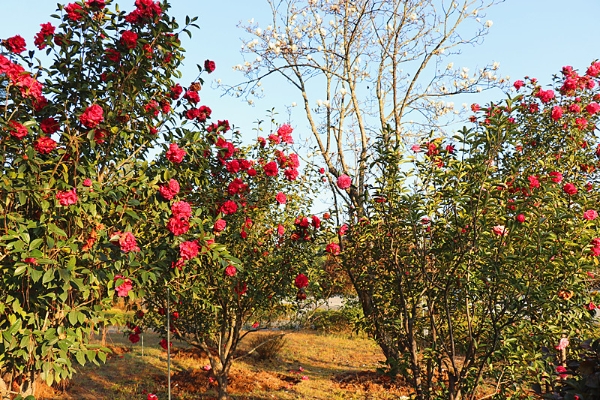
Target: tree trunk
222	382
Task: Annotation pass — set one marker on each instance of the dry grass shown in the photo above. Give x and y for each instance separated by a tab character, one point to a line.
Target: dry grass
309	366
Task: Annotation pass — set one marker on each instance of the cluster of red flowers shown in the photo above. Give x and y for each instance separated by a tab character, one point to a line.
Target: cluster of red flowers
175	154
179	222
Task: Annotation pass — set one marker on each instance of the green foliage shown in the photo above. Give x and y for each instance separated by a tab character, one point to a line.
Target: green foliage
475	252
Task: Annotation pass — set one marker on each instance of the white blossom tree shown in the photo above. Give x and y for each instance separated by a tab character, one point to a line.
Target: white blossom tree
367	70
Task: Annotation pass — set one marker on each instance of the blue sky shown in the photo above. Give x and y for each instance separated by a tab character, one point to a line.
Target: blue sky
528	37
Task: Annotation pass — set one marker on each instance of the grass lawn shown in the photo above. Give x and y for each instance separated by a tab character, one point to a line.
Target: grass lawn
309	366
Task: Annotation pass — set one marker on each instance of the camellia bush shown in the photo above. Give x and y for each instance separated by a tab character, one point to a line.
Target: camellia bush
76	193
250	200
480	251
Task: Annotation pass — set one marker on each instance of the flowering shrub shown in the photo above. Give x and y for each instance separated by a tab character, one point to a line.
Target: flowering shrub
75	196
488	261
237	198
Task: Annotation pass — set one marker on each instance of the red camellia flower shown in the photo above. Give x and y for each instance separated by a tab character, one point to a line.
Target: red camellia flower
209	66
344	229
520	218
570	189
124	288
590	215
518	84
134	338
49	126
44	145
164	344
219	225
561	371
129	39
230	270
281	198
31	260
40	38
280	230
301	281
87	182
178	226
316	222
189	249
176	91
181	209
15	44
169	191
67	198
475	107
291	174
128	243
229	207
192	96
99	4
175	154
581	123
17	130
152	396
344	182
333	248
533	182
92	116
271	169
74	11
113	55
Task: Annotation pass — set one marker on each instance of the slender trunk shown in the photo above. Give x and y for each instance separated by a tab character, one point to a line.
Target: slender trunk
222	381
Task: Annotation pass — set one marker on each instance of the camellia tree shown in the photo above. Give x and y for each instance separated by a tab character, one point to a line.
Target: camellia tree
76	193
251	201
481	250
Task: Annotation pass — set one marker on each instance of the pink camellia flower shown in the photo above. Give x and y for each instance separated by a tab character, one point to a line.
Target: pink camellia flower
333	248
518	84
533	182
280	230
301	281
17	130
230	270
175	154
92	116
207	367
416	148
281	198
591	306
44	145
592	108
344	182
15	44
219	225
557	112
67	197
562	344
500	230
209	66
170	190
189	249
128	243
181	209
570	189
178	226
87	182
343	229
556	177
124	288
520	218
285	133
581	123
590	215
545	95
